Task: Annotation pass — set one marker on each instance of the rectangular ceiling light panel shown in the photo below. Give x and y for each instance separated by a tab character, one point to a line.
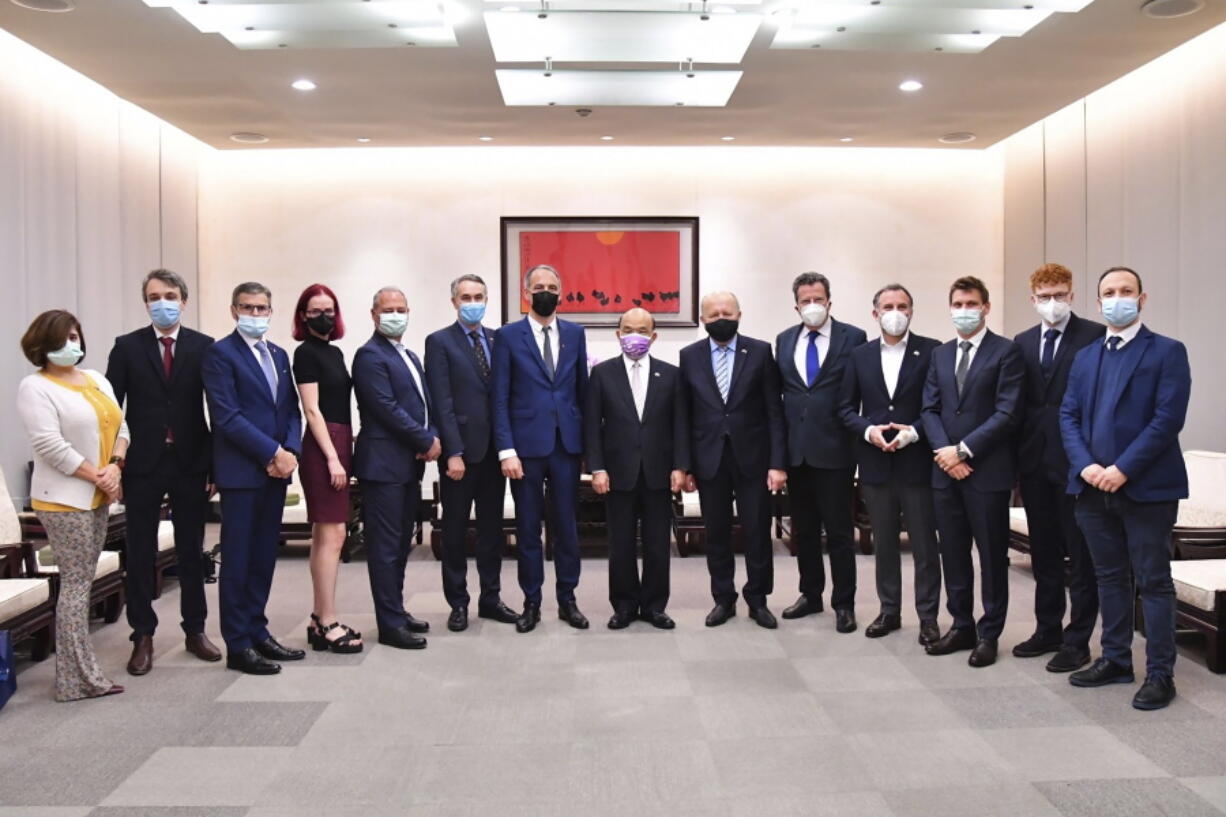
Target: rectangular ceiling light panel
706	89
714	6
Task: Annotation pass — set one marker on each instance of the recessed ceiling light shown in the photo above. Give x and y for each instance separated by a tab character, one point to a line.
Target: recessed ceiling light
910	85
847	139
728	138
957	137
45	5
302	85
248	138
363	139
509	8
1164	9
486	138
606	138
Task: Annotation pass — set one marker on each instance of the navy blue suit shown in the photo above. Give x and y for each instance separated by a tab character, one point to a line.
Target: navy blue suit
1126	408
541	419
460	391
396	428
983	417
249	424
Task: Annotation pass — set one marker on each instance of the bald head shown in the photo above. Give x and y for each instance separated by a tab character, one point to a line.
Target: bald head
716	305
637	321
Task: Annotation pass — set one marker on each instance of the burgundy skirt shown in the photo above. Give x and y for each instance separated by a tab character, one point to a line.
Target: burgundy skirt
325	504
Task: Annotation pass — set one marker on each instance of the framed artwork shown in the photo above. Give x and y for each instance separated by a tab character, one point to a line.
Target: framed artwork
608	265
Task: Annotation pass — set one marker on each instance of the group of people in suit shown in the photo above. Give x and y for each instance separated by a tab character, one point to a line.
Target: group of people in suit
1085	417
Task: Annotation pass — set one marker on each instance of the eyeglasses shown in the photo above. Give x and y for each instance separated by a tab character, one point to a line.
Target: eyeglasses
253	309
315	313
1059	297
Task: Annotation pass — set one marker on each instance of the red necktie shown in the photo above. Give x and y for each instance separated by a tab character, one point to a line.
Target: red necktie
168	360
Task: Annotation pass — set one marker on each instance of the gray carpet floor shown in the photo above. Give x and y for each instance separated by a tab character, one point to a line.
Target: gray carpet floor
730	721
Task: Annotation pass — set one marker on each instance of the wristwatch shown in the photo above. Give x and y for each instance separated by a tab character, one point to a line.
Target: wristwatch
963	453
116	460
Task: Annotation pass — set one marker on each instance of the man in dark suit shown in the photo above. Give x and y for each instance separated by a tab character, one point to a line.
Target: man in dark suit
811	358
883	394
396	440
458	360
972	403
257	434
638	451
540	382
738	452
1126	402
1048	349
155	372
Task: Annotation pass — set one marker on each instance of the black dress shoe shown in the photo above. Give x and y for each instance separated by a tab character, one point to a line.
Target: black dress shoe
402	639
498	612
457	622
953	641
984	654
529	618
804	606
415	625
1035	646
251	662
661	621
273	650
930	633
721	613
763	617
1157	692
844	620
883	625
568	611
1069	659
620	620
1101	673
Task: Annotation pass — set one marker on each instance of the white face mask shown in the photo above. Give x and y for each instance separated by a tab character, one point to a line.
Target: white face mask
814	314
1052	311
894	322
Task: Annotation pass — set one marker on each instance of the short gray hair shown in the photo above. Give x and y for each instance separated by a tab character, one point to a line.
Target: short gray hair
528	274
374	302
893	288
702	304
468	276
248	288
808	279
170	279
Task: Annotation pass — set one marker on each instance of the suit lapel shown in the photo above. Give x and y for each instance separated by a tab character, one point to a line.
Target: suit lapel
622	381
529	338
739	358
466	344
787	356
1132	353
909	358
154	353
978	362
247	355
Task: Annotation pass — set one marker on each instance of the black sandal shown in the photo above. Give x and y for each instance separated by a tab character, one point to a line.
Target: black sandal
317	635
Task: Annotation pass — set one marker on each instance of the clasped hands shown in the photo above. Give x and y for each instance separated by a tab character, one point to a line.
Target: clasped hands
282	464
948	461
1108	480
108	480
876	436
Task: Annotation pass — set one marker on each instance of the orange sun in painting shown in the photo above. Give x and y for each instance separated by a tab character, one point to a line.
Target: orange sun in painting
609	239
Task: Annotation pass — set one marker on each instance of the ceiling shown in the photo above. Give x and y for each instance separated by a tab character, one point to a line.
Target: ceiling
417	96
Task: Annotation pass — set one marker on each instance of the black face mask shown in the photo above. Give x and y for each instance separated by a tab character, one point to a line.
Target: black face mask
322	324
544	302
722	330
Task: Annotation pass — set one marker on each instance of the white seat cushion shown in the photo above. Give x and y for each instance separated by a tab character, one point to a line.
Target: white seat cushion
108	563
166	535
691	508
1198	580
1205	506
20	595
1195	515
1017	521
294	514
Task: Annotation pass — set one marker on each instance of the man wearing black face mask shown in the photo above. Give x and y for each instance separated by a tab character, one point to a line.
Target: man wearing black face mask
730	385
539	383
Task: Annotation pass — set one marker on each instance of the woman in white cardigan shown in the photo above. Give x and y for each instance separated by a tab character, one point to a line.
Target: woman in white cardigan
79	438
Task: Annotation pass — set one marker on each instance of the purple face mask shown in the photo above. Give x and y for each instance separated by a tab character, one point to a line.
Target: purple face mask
635	346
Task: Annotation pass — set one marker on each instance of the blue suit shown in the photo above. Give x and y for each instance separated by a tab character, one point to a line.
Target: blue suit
249	424
396	427
1126	408
541	419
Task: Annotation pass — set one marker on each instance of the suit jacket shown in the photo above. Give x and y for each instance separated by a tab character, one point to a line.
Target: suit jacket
530	410
152	403
816	435
984	417
752	419
1040	448
248	423
621	444
1148	408
865	402
397	420
459	392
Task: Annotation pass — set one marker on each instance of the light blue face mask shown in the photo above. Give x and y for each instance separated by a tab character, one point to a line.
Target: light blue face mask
164	313
393	324
1120	311
472	312
253	326
967	321
69	354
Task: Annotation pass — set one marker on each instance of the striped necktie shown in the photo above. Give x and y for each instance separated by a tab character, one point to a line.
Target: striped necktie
723	371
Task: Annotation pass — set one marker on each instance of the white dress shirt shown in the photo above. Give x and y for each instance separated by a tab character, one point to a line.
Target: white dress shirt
403	351
174	336
644	380
1062	326
800	356
1125	335
892	357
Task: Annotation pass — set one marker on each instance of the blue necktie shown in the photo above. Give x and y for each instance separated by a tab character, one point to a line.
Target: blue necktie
723	372
270	374
812	367
1049	350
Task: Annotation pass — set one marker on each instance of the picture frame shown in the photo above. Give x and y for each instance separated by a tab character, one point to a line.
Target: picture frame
607	264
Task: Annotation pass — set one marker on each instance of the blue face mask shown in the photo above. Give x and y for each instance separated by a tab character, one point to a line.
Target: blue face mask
164	313
472	312
253	326
68	355
967	321
393	324
1120	311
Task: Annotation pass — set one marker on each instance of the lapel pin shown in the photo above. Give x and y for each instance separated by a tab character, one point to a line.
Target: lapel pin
744	351
657	374
916	353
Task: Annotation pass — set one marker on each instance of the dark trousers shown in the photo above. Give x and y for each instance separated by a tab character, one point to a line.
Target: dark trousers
389	516
963	514
887	504
483	484
821	498
142	498
250	534
1130	539
1055	537
561	469
626	510
715	497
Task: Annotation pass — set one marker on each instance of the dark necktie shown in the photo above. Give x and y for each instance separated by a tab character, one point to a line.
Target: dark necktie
168	360
549	366
812	366
479	349
1113	342
964	364
1049	350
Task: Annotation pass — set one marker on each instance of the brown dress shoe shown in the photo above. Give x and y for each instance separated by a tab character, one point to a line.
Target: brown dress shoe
200	646
142	656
